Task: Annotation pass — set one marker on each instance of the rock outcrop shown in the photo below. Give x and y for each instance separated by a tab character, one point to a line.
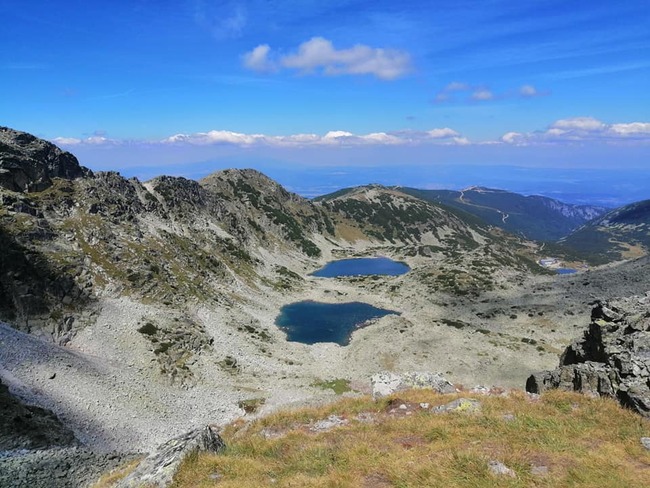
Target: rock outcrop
158	469
28	163
612	359
384	384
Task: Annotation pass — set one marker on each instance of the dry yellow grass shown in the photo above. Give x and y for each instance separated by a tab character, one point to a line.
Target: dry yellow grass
573	440
110	479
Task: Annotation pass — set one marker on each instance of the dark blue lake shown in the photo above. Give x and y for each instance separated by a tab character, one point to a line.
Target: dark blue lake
363	267
311	322
565	271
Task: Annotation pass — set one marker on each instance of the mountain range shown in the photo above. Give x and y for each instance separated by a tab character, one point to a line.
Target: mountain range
136	309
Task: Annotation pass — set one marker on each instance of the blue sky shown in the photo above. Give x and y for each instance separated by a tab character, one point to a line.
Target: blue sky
189	86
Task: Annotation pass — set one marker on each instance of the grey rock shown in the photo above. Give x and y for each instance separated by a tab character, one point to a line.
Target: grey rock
461	405
328	424
56	468
384	384
28	163
159	468
645	442
539	470
612	359
499	469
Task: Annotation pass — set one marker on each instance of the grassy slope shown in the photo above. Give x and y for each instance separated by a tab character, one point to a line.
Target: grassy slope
583	442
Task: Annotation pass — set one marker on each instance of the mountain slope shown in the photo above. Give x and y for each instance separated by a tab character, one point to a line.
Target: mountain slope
463	251
622	233
534	217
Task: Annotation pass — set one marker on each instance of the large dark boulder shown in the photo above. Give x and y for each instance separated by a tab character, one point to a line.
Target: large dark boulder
28	163
612	359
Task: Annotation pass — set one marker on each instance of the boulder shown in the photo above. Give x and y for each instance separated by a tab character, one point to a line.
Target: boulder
384	384
612	358
158	469
460	405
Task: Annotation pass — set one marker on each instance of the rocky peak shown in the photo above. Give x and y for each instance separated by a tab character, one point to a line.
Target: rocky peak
28	163
250	184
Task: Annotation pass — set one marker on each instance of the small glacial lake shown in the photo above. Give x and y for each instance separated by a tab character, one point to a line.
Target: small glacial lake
311	322
566	270
362	267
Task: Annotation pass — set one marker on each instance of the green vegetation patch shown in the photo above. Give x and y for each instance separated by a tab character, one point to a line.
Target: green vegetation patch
338	386
251	405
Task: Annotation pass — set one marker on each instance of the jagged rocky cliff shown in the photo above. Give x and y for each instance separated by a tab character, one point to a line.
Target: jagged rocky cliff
28	163
611	359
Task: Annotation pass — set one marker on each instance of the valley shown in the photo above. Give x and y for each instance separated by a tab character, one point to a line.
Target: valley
138	311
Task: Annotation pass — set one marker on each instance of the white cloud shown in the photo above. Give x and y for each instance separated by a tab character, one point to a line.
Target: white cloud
579	123
580	130
66	141
513	138
457	86
631	129
319	56
258	59
528	91
482	94
98	140
332	138
215	137
94	140
442	133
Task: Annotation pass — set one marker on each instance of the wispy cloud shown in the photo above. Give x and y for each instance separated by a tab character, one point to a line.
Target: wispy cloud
581	130
482	94
465	92
596	71
224	20
319	56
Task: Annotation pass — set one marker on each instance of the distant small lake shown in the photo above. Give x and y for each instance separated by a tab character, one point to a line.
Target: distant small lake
566	270
310	322
362	267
